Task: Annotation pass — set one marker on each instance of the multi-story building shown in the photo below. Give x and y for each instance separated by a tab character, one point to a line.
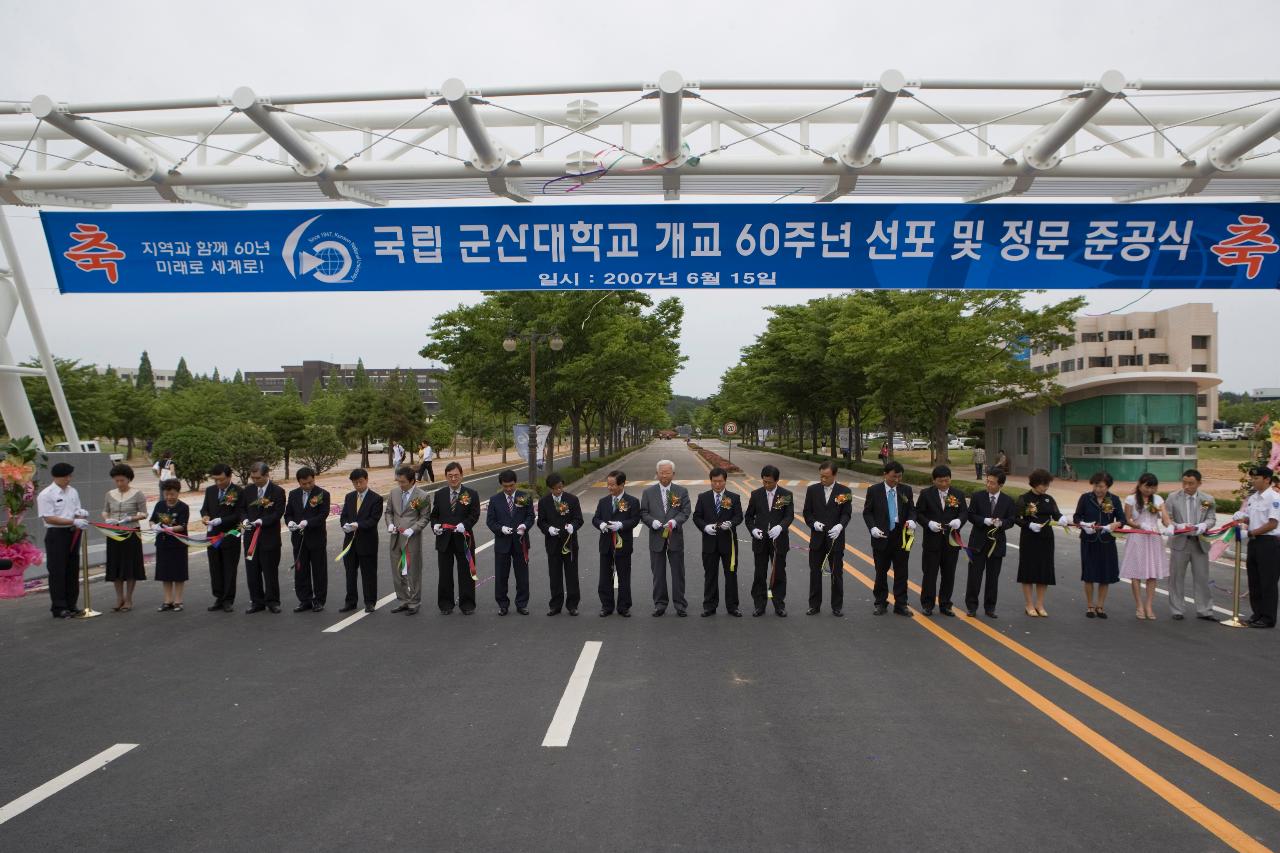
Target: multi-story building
163	376
1136	389
311	375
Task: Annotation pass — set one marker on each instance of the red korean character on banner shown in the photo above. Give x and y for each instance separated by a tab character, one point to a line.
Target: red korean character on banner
94	251
1250	243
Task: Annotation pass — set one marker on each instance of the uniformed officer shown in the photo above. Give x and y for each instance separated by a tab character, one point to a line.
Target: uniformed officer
1262	513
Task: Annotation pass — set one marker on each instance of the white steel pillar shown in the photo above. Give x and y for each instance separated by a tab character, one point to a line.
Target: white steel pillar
15	408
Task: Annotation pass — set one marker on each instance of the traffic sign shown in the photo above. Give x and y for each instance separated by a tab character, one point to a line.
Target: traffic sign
730	428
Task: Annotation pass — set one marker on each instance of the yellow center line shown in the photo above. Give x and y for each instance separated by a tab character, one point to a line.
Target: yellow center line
1228	832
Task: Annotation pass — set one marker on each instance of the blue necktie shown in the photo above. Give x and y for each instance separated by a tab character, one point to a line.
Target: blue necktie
893	507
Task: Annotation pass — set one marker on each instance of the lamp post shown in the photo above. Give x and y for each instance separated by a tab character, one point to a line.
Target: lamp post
509	343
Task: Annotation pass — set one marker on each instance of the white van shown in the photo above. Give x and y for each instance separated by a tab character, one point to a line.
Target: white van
86	447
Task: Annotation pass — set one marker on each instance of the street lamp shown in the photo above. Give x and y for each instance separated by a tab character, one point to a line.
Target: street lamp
510	343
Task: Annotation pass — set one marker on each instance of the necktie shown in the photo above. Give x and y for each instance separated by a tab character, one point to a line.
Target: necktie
892	495
615	504
221	494
359	500
453	499
826	494
511	505
305	496
770	496
404	500
716	498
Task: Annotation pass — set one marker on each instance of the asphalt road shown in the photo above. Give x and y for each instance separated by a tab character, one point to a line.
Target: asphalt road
805	733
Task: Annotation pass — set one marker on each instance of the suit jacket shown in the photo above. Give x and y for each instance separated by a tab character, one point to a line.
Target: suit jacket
366	520
406	518
1002	511
761	516
875	512
499	517
838	510
929	508
628	513
315	513
230	509
679	507
569	512
270	516
466	512
1089	509
707	511
1046	510
1176	504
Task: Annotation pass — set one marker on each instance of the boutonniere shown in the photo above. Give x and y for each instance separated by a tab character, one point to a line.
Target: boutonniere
264	503
563	508
1033	508
229	499
842	498
522	499
417	504
165	518
781	501
465	499
725	503
622	506
953	501
675	499
315	500
1107	506
1206	504
1152	508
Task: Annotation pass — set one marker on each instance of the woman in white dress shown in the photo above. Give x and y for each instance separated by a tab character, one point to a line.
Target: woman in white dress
1145	560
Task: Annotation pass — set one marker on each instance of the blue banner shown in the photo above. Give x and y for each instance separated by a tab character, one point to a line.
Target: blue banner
564	247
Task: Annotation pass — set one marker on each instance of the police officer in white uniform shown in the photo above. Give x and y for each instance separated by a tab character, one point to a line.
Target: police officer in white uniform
59	507
1262	512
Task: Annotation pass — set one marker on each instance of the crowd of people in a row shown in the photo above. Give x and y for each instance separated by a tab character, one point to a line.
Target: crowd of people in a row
248	520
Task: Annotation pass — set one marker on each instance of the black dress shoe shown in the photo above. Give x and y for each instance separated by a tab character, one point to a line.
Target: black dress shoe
735	612
971	612
708	613
1261	623
523	611
682	613
991	614
502	611
228	608
317	608
605	612
781	611
573	611
947	611
305	607
759	611
346	608
555	611
880	609
274	608
255	608
1178	617
658	611
446	612
812	611
903	611
368	608
412	610
1209	618
625	613
399	608
928	611
835	612
217	605
468	612
61	614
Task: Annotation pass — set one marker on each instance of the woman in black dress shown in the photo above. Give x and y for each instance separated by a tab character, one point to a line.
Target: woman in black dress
1098	512
171	516
1036	511
124	506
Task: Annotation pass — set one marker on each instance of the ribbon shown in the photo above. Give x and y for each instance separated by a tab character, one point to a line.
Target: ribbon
566	541
253	544
1222	542
733	553
992	534
351	540
908	538
524	546
957	541
470	544
773	565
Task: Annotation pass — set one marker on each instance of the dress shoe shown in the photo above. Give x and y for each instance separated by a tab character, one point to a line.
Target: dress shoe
835	612
412	610
991	614
228	608
903	611
1178	617
947	611
812	611
346	608
573	611
523	611
781	611
1261	623
625	613
368	608
446	612
555	611
317	608
62	614
274	608
399	608
306	606
1209	618
928	611
708	613
880	609
604	613
502	611
658	611
682	613
217	605
759	611
735	612
255	608
469	612
971	612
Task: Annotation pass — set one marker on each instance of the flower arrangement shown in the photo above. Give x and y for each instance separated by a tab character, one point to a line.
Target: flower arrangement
1106	506
315	500
675	499
842	498
726	503
231	496
563	507
781	501
17	480
1032	509
953	501
622	505
465	499
416	504
521	499
263	503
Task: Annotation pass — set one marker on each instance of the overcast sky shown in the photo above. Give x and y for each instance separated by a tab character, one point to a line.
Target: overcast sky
113	50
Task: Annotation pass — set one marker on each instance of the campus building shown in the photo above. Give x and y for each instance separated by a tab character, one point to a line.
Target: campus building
310	375
1136	389
163	377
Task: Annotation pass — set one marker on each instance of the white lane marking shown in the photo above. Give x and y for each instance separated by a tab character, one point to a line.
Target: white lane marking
567	711
385	600
53	786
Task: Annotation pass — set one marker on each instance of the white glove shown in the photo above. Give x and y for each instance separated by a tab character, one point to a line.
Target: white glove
724	525
775	531
302	524
1167	532
521	529
657	525
1240	516
82	513
1202	527
877	533
604	527
391	528
461	528
408	534
80	522
710	530
935	527
215	522
553	531
257	522
819	526
437	529
615	526
292	526
835	530
757	533
568	528
349	528
989	522
507	531
911	525
1087	526
954	524
1035	528
672	524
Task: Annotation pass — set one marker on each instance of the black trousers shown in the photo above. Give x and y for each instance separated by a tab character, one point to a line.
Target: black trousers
760	581
503	564
63	562
262	575
823	550
612	561
366	566
565	591
891	557
942	560
980	564
451	563
425	474
311	571
712	566
1263	566
224	561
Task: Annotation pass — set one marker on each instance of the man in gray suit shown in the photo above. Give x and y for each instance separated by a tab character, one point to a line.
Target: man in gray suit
408	509
664	508
1187	508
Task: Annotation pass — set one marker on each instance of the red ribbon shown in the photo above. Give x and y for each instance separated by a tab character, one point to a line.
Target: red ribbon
470	543
253	544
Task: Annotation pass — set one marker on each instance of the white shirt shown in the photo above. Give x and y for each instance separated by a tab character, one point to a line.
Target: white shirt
1146	520
428	454
826	493
56	502
769	495
1261	506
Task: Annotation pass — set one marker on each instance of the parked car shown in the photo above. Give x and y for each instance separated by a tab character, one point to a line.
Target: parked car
899	444
377	445
955	444
86	447
1204	435
1224	434
919	444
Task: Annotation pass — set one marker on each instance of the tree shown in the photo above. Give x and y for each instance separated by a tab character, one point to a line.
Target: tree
131	411
320	448
249	443
146	378
399	414
327	401
182	378
88	393
195	450
287	421
358	411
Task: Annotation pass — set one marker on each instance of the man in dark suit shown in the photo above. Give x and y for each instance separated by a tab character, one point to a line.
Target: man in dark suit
263	510
770	512
560	519
942	510
828	506
509	518
222	512
717	513
361	512
890	516
306	514
616	516
991	513
455	511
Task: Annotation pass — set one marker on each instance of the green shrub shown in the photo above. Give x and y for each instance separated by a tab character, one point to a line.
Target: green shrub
320	448
195	450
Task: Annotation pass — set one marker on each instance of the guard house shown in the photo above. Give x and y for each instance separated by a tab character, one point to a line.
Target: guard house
1135	389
